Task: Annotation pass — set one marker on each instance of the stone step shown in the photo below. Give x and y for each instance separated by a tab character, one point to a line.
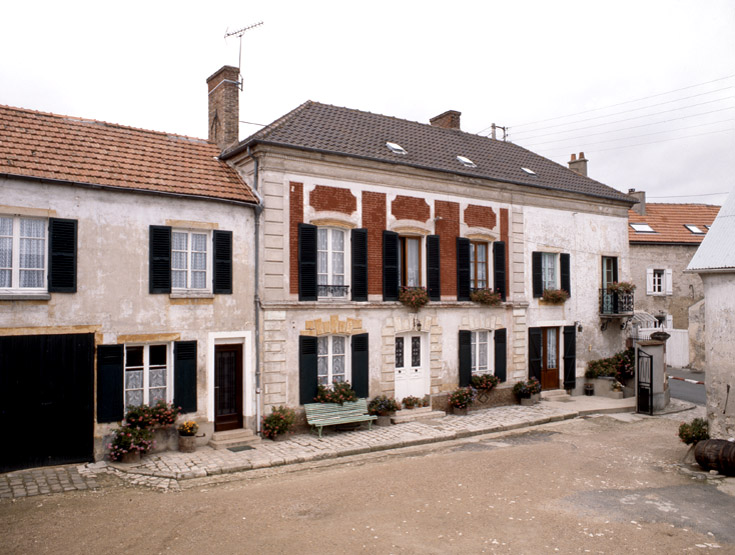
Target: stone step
412	415
233	438
556	395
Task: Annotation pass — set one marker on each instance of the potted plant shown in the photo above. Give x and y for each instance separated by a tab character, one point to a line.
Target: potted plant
411	402
129	443
620	287
187	436
382	407
413	297
278	423
486	296
484	382
554	296
162	414
527	391
460	400
340	392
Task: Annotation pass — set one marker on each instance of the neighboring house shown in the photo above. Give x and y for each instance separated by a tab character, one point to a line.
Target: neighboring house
126	264
663	238
359	205
714	261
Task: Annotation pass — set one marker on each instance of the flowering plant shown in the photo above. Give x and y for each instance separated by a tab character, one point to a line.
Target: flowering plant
382	405
127	440
340	392
462	398
555	296
524	389
160	415
620	287
696	430
484	381
414	297
188	428
279	421
486	297
411	402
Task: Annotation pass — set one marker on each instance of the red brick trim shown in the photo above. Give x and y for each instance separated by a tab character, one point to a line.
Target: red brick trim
335	199
448	230
296	216
374	220
480	216
410	208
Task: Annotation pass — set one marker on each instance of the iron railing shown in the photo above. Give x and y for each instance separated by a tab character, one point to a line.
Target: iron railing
616	303
338	291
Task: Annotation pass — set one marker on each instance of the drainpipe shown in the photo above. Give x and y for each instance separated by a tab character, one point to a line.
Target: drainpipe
258	211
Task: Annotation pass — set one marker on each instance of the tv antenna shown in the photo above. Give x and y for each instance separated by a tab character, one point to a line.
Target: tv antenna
239	33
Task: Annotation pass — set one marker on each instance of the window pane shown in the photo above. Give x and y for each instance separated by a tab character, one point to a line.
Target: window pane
31	278
198	261
157	355
6	252
323	346
32	228
6	226
415	351
179	241
413	274
399	352
134	379
134	397
551	348
338	266
323	264
178	278
198	242
133	356
338	366
155	395
178	260
5	278
338	240
199	280
322	367
338	345
322	239
158	378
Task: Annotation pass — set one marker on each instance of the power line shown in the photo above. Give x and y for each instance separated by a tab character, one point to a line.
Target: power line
631	110
689	196
617	104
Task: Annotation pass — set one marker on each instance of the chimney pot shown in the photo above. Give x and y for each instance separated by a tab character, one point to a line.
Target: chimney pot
579	165
447	120
574	158
224	113
640	196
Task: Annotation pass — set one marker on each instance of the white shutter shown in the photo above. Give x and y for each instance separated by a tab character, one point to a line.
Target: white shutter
649	281
668	285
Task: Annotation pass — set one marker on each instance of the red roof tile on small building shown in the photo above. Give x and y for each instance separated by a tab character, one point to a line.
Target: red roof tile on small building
54	147
668	222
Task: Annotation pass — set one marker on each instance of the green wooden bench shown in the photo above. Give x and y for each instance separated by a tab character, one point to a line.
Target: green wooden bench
331	414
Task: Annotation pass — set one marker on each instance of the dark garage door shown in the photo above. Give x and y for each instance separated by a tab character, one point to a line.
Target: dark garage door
46	400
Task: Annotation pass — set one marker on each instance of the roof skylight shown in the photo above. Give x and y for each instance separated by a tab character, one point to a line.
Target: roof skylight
694	229
529	172
395	148
642	228
466	162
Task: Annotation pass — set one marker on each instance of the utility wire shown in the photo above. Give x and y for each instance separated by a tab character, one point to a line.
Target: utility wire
689	196
614	105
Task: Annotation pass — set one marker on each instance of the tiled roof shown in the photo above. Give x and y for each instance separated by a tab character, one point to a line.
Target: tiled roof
717	251
49	146
324	128
668	222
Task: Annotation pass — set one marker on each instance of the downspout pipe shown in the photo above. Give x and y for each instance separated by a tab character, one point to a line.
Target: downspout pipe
256	297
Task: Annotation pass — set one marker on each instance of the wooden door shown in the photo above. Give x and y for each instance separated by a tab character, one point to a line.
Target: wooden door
228	387
550	358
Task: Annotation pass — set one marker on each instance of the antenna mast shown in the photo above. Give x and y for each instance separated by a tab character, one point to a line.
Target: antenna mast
239	33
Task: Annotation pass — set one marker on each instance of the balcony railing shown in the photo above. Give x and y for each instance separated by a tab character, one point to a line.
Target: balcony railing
616	303
335	291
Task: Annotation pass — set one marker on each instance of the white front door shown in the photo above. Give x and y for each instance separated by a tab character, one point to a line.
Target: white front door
411	365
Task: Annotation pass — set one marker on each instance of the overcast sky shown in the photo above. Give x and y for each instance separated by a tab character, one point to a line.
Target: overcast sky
646	88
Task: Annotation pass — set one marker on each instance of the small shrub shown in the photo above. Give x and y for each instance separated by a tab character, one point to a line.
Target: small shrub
414	297
697	430
411	402
127	439
188	428
279	421
555	296
382	405
620	366
340	392
462	397
484	381
486	296
524	389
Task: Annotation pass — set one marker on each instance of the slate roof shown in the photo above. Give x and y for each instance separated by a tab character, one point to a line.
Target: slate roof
668	221
49	146
344	131
717	251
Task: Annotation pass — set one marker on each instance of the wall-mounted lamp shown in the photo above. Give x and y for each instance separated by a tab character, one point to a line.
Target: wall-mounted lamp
579	327
416	323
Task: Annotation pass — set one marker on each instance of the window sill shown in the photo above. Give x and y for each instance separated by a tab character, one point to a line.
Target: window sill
25	296
191	295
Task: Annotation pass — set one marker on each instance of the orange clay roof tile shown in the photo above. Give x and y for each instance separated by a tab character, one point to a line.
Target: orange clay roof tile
668	222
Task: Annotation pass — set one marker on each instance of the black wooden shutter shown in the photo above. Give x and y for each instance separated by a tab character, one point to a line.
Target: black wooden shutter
534	353
159	254
360	365
465	357
570	357
499	268
536	275
463	269
433	273
307	262
307	369
185	375
62	256
390	266
359	265
222	267
110	383
565	278
501	350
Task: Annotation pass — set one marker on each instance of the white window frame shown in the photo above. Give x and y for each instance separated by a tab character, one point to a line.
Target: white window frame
488	270
15	269
325	292
146	371
475	347
549	265
659	282
189	254
330	355
401	261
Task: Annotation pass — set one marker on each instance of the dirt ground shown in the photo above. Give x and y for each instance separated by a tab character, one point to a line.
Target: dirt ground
595	485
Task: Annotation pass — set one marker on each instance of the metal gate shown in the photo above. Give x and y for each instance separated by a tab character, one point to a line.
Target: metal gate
46	399
644	385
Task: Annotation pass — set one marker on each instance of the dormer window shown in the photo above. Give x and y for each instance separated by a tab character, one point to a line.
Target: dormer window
466	162
694	229
529	172
395	148
642	228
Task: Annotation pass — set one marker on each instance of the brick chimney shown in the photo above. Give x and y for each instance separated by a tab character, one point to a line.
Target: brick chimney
640	196
224	112
578	165
447	120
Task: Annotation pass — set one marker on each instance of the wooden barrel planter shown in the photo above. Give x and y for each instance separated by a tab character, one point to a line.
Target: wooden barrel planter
716	454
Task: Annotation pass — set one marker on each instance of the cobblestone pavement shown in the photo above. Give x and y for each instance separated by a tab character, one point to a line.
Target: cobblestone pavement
164	471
